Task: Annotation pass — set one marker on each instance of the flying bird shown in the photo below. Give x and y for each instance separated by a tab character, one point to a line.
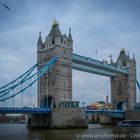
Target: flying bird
6	7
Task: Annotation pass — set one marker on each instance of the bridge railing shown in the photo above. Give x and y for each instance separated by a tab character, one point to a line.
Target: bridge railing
24	110
111	113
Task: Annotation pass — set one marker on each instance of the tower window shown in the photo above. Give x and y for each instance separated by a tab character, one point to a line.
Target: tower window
64	83
53	42
64	51
65	43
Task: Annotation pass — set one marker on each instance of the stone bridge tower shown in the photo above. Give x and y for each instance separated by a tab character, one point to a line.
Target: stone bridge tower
123	87
56	86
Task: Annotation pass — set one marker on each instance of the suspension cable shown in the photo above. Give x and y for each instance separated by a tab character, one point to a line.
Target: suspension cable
13	86
47	96
36	75
31	93
26	74
13	98
13	102
22	95
41	72
3	103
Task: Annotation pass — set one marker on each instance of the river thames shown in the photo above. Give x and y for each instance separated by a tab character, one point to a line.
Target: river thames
95	131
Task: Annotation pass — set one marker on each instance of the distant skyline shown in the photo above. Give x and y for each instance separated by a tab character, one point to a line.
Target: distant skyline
100	28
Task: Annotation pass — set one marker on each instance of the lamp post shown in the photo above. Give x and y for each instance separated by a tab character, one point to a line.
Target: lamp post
47	91
83	101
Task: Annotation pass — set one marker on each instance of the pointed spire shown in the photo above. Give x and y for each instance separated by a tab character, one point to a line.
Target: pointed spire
65	36
70	36
55	31
55	22
39	39
111	61
122	57
122	50
128	55
134	58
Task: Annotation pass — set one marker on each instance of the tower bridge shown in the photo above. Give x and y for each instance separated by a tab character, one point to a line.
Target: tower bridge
55	61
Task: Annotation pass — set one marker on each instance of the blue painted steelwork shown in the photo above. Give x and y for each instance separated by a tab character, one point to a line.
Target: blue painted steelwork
79	63
24	110
82	63
113	113
100	66
138	84
37	110
12	84
36	76
92	70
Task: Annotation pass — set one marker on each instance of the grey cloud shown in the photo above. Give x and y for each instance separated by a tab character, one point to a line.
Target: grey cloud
100	25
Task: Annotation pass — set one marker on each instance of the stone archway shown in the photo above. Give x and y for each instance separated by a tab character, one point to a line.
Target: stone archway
48	101
120	105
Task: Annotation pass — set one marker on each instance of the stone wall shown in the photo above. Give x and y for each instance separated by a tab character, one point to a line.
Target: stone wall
38	121
59	118
68	118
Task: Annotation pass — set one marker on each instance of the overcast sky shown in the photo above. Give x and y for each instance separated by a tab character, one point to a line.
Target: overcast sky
102	25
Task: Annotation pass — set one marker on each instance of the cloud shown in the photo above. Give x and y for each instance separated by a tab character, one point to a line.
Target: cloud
104	26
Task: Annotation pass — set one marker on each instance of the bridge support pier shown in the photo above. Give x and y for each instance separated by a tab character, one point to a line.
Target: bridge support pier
68	118
38	121
59	118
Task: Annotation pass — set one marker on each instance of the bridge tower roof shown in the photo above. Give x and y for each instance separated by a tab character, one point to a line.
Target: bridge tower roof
39	39
123	57
55	31
70	36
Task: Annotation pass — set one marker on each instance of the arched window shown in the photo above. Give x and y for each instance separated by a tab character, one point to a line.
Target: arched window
53	42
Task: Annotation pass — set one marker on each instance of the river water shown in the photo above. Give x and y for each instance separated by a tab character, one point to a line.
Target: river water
95	131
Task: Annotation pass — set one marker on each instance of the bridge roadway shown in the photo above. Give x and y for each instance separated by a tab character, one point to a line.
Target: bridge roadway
90	65
23	110
37	110
112	113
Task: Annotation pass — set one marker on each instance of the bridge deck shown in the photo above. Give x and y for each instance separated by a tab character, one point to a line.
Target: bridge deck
24	110
101	68
112	113
37	110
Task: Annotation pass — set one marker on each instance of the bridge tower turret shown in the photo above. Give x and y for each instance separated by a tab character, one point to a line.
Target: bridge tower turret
56	86
123	87
39	42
